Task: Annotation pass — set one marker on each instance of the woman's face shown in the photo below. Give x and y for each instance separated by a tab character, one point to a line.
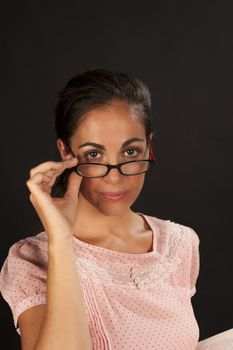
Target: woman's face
110	126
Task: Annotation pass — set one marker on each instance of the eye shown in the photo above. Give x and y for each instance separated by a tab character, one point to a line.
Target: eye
132	151
86	155
136	151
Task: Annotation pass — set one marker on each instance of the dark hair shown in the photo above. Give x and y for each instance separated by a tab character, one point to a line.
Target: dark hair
91	89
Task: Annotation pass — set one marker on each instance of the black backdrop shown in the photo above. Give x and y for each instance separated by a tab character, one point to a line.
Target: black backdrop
183	50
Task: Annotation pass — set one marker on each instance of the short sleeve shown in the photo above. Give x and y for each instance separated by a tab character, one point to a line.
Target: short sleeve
23	276
195	262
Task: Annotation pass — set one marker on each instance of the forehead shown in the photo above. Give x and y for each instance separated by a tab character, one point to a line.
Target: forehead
117	118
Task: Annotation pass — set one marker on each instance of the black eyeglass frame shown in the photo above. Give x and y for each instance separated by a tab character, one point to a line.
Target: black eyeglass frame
117	166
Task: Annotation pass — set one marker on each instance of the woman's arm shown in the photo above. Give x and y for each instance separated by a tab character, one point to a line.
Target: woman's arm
65	324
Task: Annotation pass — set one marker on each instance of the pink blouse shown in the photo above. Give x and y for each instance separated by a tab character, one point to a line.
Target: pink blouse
132	301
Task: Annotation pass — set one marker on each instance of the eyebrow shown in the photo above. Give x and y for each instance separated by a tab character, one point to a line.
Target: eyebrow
126	143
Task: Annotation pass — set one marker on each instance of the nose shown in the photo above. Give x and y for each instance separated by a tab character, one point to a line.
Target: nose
113	176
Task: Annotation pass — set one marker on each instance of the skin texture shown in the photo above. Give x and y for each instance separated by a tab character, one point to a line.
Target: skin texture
113	225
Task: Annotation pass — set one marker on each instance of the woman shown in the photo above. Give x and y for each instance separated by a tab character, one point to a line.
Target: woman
101	276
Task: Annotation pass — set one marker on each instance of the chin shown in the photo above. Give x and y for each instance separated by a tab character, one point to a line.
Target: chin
113	212
113	209
109	209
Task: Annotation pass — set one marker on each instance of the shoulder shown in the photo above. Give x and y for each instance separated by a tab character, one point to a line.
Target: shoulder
27	260
172	231
32	249
37	238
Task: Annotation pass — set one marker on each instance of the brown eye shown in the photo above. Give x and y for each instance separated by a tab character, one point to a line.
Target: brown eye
89	155
136	151
131	150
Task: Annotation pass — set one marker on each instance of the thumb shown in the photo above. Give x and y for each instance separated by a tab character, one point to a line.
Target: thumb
73	184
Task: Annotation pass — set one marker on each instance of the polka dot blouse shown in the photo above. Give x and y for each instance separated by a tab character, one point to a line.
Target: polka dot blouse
132	301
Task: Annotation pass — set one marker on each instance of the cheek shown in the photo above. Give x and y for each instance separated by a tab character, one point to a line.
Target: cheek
138	183
87	186
90	187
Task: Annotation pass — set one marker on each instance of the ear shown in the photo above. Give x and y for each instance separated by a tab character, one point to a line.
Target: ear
63	149
151	135
149	140
152	154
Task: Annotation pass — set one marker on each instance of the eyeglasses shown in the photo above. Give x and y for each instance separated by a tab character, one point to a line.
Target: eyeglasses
93	170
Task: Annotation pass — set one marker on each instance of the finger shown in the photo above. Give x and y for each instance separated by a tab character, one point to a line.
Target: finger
67	164
46	187
36	179
45	167
55	173
73	184
52	166
41	182
47	181
37	182
40	191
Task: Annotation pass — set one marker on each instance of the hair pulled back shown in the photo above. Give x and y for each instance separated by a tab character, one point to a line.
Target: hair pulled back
91	89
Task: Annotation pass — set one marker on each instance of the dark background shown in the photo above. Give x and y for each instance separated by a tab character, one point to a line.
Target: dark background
184	51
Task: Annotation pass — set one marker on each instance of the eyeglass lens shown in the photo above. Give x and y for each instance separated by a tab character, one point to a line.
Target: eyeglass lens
96	170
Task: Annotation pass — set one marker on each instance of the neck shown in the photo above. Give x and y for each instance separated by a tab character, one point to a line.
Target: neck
94	225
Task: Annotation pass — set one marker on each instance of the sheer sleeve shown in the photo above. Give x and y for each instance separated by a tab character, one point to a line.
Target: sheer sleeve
23	276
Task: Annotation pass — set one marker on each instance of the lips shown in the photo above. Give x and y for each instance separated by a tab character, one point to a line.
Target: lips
113	195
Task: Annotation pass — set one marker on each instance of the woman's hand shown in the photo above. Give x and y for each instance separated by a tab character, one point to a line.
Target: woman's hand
56	214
